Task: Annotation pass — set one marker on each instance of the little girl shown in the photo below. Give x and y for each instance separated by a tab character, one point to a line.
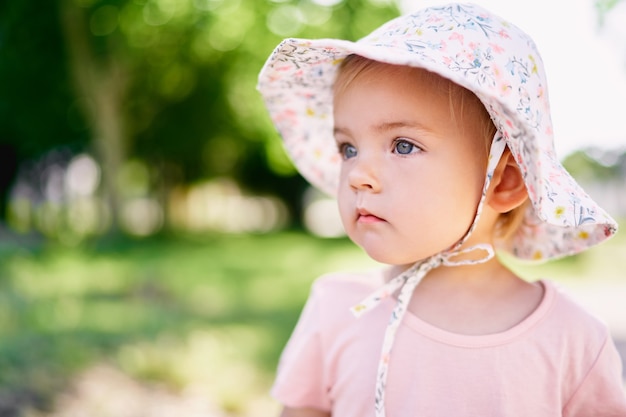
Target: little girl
434	134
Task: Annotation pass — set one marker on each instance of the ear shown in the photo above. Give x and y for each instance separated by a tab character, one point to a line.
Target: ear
507	190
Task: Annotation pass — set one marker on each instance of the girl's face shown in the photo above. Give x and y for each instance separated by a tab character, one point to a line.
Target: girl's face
412	171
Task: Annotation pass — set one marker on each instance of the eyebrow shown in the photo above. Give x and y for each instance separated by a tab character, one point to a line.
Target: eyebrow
387	126
383	127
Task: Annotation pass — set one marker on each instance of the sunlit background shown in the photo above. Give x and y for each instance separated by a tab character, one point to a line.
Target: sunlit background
156	243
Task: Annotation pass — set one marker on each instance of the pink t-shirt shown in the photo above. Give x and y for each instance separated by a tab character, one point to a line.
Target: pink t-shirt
560	361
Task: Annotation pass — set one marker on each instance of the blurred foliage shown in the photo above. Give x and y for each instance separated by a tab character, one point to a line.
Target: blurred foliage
605	6
170	82
593	165
36	97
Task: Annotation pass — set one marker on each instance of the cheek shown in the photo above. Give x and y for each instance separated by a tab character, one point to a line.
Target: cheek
468	177
452	194
345	205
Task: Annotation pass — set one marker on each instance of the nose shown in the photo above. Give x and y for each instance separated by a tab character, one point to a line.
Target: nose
363	175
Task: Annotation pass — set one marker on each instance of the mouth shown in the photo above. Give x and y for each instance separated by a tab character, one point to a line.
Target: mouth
364	216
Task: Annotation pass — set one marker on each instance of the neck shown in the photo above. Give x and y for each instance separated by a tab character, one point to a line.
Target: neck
474	299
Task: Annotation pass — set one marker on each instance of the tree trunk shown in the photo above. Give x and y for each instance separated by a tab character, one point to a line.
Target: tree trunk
102	83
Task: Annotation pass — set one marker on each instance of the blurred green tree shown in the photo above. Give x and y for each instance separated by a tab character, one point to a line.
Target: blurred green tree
171	82
37	104
594	165
605	6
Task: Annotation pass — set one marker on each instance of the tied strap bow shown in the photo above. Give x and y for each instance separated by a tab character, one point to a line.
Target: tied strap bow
412	276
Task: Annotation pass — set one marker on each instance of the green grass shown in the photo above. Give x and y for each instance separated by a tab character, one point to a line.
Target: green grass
212	312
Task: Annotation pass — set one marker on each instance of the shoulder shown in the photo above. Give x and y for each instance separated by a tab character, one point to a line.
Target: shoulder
348	287
333	295
570	315
572	328
590	362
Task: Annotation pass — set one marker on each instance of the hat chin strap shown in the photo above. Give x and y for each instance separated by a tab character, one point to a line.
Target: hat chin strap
408	280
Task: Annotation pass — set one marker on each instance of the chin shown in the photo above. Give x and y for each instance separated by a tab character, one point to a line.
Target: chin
384	257
395	256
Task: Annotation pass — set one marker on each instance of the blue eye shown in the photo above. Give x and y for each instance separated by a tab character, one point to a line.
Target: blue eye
347	151
404	147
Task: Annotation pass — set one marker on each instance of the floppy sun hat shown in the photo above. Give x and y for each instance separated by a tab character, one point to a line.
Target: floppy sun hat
469	45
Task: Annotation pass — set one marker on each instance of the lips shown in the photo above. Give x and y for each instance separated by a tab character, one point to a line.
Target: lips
364	216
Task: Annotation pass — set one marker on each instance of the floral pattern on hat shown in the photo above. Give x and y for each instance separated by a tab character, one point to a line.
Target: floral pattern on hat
475	49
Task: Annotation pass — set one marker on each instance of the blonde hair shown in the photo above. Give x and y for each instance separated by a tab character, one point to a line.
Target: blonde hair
463	103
